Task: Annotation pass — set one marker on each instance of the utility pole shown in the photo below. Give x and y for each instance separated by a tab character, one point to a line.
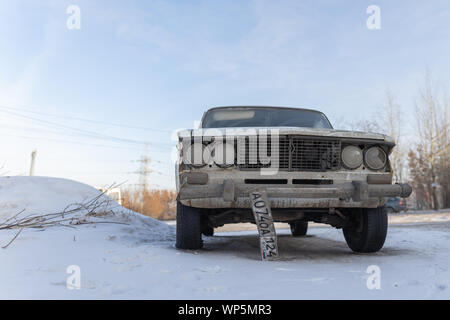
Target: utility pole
144	172
33	160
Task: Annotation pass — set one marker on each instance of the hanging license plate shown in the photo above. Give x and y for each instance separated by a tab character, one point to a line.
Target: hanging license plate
264	222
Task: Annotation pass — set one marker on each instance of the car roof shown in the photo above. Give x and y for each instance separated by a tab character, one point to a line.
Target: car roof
263	107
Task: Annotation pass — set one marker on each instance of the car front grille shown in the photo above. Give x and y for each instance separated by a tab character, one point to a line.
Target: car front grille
296	153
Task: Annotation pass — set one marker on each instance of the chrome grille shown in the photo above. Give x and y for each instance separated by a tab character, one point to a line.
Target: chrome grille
296	153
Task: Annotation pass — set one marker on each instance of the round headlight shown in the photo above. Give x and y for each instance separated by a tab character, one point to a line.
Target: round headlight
375	158
352	157
222	154
196	155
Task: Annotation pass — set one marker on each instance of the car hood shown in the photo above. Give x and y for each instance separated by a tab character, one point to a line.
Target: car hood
287	131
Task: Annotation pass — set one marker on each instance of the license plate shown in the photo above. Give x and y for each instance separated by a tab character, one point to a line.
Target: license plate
264	222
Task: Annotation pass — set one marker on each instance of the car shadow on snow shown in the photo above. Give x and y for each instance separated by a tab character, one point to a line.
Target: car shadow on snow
310	247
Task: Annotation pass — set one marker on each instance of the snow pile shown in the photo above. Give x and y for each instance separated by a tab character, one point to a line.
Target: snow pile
42	195
36	196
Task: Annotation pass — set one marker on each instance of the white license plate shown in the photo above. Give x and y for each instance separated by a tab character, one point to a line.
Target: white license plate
264	222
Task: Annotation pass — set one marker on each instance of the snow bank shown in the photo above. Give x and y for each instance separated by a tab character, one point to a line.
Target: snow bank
44	195
41	195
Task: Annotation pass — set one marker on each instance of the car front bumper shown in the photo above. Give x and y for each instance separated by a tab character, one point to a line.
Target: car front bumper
232	194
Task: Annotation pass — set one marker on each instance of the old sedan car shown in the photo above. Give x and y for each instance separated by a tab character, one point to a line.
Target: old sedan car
309	171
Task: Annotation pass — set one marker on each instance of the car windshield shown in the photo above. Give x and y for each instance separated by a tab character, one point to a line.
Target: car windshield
264	117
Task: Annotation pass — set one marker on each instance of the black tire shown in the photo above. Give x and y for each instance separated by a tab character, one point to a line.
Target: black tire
189	235
369	232
299	228
208	231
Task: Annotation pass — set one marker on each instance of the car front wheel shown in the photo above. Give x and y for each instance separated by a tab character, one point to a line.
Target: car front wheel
299	228
368	231
189	232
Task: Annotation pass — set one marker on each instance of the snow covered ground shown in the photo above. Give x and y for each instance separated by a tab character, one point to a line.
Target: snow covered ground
137	260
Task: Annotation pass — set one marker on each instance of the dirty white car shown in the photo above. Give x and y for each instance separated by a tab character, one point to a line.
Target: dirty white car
309	171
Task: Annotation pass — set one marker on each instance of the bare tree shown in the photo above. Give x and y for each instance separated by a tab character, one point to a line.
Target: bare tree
367	125
159	204
429	159
392	124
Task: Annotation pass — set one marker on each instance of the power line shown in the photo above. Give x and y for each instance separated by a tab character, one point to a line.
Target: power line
68	141
34	129
80	132
85	120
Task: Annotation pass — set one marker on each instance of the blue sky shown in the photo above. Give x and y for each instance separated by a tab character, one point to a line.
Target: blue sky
160	64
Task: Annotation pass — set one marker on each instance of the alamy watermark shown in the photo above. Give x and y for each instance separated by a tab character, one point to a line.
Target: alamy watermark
74	279
374	20
374	279
74	20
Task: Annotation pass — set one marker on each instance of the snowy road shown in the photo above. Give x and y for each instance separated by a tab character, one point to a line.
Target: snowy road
129	262
138	260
